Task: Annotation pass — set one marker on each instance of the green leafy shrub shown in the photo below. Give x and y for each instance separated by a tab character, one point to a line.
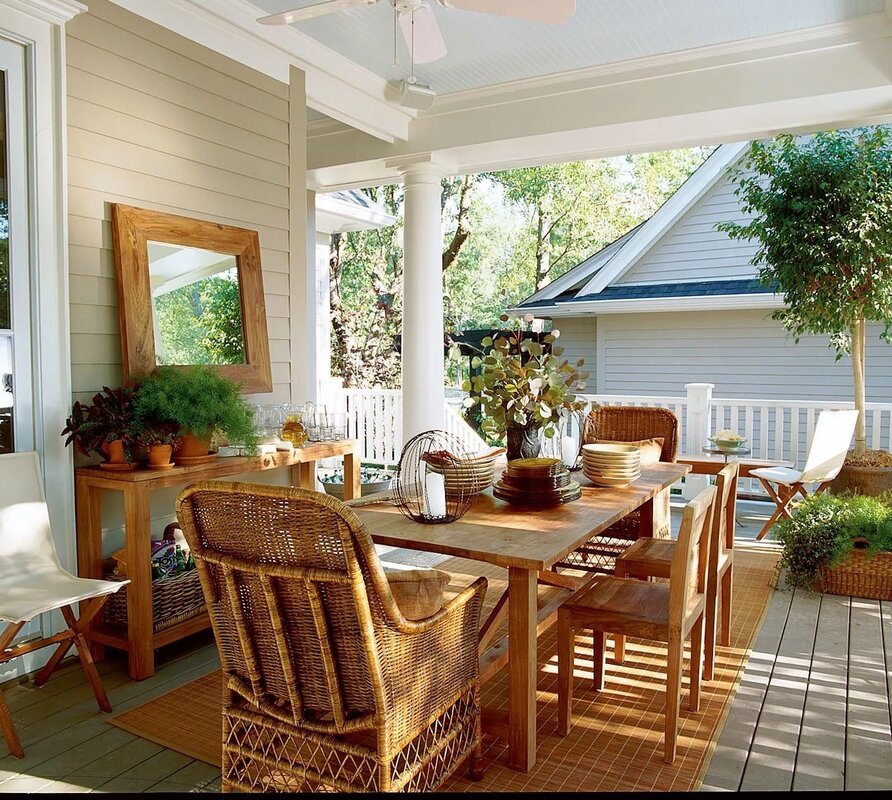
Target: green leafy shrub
199	400
825	528
521	383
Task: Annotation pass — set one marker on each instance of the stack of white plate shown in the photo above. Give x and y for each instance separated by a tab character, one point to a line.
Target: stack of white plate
615	465
470	475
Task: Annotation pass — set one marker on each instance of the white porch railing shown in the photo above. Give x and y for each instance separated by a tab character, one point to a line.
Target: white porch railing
779	430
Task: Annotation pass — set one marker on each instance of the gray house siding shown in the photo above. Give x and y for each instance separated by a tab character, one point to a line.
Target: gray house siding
579	338
744	353
693	250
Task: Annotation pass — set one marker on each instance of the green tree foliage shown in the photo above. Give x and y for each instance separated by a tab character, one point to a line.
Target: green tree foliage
822	209
202	323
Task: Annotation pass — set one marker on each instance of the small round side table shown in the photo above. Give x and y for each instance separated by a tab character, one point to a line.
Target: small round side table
721	451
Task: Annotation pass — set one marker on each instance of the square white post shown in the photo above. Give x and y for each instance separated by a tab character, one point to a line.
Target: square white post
697	419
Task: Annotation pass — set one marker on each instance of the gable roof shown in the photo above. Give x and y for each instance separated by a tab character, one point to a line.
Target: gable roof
591	286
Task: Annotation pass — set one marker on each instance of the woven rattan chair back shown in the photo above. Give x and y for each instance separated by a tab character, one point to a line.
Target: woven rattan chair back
631	424
324	679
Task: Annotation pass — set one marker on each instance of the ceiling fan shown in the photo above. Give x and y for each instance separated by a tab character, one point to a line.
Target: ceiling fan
418	23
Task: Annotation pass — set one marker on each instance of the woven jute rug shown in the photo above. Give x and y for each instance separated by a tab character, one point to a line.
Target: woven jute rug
616	741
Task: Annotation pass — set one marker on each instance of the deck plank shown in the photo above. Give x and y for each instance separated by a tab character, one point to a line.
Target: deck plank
868	737
729	759
773	752
820	760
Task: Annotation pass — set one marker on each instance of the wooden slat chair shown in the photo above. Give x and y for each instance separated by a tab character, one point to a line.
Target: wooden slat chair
826	456
626	424
327	686
33	582
667	613
652	558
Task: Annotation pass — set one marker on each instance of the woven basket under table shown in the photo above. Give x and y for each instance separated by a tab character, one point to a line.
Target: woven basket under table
174	599
860	575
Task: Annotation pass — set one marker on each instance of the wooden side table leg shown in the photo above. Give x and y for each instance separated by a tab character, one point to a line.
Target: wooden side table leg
89	544
646	519
522	596
140	633
307	475
352	486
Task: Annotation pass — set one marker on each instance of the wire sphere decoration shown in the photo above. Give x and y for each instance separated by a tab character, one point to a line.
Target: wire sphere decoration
435	481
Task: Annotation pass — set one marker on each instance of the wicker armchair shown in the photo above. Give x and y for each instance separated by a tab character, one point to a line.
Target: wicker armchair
626	424
327	687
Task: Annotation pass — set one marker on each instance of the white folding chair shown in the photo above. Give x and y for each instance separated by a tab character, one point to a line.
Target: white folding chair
32	581
833	435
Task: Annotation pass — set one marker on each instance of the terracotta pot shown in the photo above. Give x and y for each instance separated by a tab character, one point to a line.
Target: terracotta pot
192	446
159	455
870	481
523	443
114	452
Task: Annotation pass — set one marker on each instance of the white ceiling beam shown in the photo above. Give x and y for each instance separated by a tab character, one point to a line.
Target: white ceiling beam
732	96
336	86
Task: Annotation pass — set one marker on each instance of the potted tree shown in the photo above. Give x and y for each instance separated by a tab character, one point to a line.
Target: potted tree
199	402
839	544
522	386
821	211
108	427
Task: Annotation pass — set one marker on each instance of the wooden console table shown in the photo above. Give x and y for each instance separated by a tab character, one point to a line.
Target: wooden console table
139	638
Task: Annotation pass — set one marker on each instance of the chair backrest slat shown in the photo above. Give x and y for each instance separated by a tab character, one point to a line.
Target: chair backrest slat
723	517
833	435
291	679
633	423
687	575
249	654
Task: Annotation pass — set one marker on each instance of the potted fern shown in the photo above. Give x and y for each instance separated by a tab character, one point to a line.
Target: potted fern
201	403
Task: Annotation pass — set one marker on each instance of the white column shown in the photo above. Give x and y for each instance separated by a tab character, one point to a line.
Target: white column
699	407
422	348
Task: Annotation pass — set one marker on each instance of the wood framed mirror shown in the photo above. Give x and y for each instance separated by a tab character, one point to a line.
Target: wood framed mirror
190	292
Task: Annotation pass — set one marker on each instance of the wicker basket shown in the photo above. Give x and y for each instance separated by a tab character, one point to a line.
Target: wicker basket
860	575
174	599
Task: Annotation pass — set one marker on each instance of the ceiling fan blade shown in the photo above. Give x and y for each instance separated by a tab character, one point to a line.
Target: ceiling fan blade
429	44
315	10
550	11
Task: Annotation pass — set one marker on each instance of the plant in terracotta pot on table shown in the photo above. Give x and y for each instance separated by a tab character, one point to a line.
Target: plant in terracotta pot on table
159	441
107	427
521	387
200	403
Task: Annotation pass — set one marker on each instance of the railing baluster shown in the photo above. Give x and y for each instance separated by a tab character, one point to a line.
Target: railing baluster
779	433
794	435
763	431
875	423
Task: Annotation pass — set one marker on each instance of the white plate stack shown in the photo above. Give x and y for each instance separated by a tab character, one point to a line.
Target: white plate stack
471	475
614	465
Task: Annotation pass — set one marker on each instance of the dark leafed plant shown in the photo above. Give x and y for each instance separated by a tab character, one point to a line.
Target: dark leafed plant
523	383
823	530
197	399
822	209
159	434
110	416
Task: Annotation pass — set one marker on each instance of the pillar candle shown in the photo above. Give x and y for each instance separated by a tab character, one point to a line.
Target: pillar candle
434	495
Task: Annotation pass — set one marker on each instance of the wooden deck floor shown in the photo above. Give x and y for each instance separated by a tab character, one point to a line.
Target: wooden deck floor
813	711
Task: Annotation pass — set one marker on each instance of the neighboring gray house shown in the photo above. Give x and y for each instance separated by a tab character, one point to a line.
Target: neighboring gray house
675	301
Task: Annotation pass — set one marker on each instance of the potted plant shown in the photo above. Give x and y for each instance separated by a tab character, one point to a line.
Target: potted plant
200	402
159	440
522	386
821	211
108	426
840	544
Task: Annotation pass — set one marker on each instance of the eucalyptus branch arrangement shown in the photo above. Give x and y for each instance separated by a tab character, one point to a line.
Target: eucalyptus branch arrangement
521	382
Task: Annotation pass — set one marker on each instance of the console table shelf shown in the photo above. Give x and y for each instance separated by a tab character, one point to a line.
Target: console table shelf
136	486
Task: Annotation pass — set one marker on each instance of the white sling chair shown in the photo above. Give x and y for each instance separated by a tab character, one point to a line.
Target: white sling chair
833	435
32	581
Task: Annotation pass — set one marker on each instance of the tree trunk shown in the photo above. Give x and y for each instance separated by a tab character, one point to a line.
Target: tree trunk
858	347
462	226
543	248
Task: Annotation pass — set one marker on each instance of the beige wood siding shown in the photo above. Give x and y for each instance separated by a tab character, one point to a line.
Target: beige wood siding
158	121
744	353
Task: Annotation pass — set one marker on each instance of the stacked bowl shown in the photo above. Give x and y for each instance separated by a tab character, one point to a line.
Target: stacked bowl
614	465
466	476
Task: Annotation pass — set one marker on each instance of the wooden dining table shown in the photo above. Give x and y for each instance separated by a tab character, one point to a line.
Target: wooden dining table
527	542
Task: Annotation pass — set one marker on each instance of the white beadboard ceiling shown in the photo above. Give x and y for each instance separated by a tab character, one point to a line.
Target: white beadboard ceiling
487	50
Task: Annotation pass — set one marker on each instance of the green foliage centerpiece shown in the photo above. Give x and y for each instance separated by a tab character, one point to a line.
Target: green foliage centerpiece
521	386
822	208
201	402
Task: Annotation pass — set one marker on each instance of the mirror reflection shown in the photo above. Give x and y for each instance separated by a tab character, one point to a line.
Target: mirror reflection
196	305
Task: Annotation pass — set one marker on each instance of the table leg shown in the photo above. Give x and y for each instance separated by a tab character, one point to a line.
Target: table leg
137	533
646	519
89	543
522	596
307	472
352	487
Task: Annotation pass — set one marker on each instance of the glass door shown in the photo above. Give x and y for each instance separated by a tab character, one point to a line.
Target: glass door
16	418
